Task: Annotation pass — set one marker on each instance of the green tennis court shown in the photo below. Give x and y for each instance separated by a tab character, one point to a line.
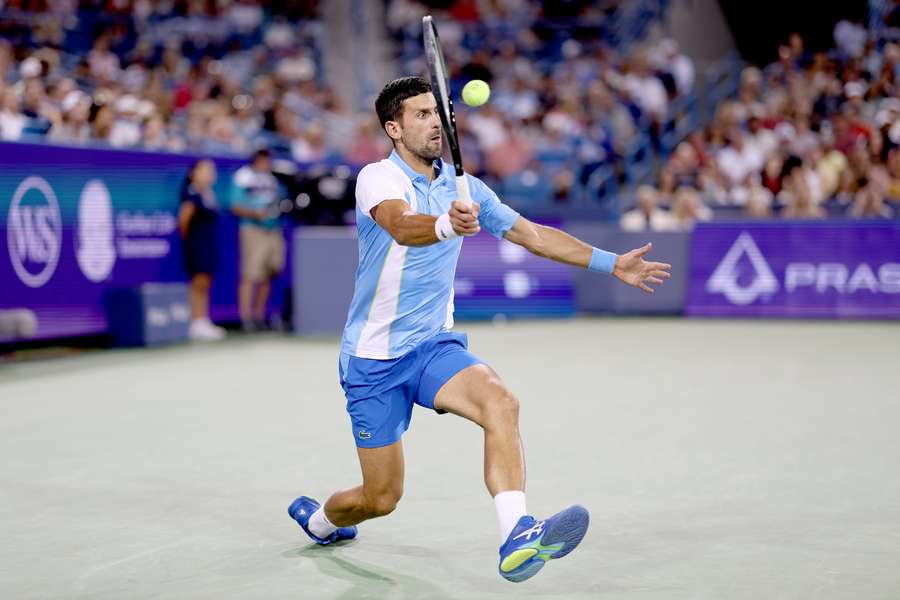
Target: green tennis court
720	460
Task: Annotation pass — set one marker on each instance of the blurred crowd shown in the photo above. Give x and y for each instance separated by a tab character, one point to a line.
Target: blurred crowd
565	99
812	135
205	76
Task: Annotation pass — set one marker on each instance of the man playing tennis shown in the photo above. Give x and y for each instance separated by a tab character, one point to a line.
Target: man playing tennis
398	350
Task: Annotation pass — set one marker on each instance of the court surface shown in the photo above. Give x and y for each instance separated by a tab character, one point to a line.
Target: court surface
718	459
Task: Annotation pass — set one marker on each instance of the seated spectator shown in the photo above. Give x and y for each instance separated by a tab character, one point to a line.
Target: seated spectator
738	163
797	196
369	144
12	121
869	203
759	203
647	215
74	127
688	208
126	126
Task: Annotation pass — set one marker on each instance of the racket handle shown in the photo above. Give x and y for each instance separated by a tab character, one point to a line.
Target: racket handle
462	190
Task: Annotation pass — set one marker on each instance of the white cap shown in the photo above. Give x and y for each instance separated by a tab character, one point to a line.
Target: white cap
145	108
30	67
127	104
72	99
854	89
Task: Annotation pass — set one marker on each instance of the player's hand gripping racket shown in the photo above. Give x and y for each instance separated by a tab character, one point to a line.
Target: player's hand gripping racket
440	84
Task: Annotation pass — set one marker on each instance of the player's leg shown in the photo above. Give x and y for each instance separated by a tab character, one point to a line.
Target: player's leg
382	470
478	394
379	402
381	489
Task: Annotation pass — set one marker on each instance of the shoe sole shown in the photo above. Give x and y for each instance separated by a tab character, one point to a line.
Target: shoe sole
568	529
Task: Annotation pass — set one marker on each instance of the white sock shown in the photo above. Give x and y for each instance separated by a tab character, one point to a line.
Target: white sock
319	524
510	508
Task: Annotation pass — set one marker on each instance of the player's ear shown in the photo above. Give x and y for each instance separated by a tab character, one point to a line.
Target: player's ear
393	130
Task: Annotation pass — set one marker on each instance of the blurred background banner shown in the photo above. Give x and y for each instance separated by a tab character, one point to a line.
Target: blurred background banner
498	277
794	269
80	222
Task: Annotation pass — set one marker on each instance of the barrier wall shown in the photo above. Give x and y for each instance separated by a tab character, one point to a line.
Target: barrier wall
492	278
76	223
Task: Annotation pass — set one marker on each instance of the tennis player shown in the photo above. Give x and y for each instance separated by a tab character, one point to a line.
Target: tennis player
398	348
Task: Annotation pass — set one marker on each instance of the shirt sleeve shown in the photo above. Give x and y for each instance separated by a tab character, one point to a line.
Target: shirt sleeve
494	217
188	197
374	185
239	185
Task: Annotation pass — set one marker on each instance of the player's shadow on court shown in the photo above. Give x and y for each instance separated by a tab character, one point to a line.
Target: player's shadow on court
368	581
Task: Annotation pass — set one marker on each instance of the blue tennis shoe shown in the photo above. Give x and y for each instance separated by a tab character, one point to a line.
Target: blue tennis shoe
532	543
302	509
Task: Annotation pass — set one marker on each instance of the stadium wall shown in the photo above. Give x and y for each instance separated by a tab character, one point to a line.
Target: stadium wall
81	223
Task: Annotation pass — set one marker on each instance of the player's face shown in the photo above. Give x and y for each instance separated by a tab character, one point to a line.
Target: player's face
421	127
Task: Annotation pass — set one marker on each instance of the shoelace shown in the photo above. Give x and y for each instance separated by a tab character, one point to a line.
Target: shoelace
537	529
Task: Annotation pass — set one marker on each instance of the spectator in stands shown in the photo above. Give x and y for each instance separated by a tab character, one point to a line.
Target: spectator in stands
679	66
647	215
12	121
759	203
739	163
369	144
869	202
749	100
688	208
197	221
74	127
126	127
255	200
798	196
850	37
645	88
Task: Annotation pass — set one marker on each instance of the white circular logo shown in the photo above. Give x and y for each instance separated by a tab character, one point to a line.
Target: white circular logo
95	250
34	232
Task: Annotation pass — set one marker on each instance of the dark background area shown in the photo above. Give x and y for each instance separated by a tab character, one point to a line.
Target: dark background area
760	26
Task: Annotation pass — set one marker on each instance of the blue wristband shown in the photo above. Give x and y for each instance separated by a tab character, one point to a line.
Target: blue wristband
602	261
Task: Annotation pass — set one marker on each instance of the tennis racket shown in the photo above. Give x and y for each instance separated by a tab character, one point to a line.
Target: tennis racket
440	84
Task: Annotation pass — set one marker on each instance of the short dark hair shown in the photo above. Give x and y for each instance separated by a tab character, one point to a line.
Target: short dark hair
389	104
261	153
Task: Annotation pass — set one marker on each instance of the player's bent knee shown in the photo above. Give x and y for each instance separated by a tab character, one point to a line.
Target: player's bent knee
501	407
382	504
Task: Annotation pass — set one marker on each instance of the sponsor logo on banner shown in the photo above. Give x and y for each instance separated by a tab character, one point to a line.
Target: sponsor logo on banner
727	276
95	251
821	277
34	231
836	269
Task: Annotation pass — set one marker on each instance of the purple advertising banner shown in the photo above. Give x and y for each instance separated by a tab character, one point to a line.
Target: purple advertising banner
497	277
796	269
78	223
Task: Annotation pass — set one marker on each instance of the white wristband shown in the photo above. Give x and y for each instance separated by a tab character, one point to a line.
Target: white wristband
443	229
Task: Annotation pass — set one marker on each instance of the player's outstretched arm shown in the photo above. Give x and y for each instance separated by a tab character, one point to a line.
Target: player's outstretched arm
630	268
409	228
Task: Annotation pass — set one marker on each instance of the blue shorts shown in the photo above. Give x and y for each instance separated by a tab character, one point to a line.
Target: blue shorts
381	393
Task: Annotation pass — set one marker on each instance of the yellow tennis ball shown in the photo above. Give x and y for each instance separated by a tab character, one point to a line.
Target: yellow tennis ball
476	92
